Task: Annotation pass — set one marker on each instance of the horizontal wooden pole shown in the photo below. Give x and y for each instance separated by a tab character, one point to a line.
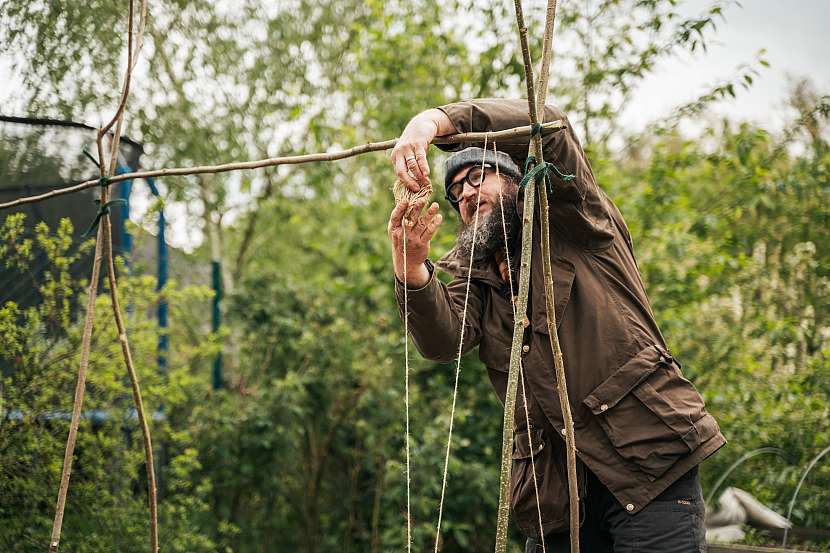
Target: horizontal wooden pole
459	138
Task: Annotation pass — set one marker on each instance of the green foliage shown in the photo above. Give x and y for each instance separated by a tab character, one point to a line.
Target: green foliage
39	354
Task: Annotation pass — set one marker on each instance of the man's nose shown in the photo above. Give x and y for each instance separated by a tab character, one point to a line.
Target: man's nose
469	192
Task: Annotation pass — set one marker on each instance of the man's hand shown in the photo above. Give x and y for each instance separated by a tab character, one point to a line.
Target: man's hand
409	156
419	229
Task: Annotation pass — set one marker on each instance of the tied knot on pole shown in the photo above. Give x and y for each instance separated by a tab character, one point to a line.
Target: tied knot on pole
103	209
536	130
542	171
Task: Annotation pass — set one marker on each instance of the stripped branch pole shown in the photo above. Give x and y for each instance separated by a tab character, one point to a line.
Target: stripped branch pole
132	58
507	134
521	372
536	102
558	362
519	320
134	384
104	243
80	387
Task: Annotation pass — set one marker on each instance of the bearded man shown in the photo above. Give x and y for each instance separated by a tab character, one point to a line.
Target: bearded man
641	427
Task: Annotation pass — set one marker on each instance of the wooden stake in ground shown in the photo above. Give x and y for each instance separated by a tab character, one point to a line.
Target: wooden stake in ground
104	238
535	103
80	387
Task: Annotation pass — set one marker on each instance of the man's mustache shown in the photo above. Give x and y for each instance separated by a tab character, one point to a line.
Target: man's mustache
471	211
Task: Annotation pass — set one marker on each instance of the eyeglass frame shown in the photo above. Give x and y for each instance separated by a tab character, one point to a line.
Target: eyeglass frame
466	180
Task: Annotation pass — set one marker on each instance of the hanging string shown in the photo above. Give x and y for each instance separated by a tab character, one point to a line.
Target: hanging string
401	193
460	349
521	365
406	390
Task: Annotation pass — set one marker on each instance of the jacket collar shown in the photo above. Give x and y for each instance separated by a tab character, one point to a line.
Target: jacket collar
484	270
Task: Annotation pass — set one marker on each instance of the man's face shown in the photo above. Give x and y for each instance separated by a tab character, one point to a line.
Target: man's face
487	237
489	193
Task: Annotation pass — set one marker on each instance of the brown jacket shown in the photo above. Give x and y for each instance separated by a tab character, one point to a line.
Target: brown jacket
639	423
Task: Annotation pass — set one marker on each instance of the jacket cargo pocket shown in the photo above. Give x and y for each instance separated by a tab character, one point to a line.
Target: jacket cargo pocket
651	414
550	480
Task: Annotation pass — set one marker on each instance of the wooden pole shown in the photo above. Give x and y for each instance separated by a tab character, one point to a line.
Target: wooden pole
561	382
536	102
103	242
517	132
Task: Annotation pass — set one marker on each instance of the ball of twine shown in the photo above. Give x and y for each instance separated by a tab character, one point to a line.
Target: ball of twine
401	193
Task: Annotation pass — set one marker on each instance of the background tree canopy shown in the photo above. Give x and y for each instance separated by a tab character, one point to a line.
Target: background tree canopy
303	448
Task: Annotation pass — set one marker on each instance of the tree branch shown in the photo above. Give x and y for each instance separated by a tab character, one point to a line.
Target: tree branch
517	132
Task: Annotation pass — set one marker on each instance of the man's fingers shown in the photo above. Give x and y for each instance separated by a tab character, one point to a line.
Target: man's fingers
403	172
424	219
423	164
416	165
431	227
417	207
397	215
410	219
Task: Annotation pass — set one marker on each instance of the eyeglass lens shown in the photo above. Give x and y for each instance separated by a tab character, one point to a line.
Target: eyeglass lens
474	177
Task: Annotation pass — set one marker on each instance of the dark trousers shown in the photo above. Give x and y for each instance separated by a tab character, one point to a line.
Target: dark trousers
671	523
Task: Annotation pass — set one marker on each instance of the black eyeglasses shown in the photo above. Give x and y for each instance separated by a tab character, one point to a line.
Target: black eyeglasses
474	178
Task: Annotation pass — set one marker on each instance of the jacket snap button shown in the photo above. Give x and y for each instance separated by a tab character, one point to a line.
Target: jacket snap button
603	407
563	432
629	507
525	348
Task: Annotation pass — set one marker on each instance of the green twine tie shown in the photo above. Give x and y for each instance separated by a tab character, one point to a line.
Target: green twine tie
102	209
542	171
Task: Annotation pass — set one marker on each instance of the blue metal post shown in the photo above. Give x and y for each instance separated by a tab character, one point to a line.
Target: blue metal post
216	279
125	190
163	343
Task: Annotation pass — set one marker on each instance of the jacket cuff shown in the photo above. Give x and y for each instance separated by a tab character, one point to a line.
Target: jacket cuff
459	114
399	288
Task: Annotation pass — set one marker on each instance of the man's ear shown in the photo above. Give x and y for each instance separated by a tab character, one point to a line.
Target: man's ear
509	184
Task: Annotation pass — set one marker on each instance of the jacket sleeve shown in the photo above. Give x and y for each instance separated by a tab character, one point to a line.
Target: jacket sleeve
578	207
435	313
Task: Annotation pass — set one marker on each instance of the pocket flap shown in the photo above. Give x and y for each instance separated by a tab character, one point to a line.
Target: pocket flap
563	279
626	378
523	440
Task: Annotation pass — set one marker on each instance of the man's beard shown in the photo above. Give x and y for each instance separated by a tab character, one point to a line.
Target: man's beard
489	236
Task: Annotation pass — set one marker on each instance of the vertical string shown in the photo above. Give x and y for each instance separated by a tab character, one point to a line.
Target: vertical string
521	365
460	349
406	390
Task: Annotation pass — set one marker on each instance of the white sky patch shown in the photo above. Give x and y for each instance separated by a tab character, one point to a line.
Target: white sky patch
796	43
